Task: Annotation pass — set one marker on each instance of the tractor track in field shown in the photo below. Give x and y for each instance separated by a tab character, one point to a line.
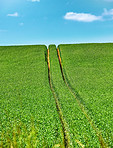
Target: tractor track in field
98	133
63	122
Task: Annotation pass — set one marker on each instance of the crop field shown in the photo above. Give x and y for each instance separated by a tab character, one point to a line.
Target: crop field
56	97
28	112
89	73
79	128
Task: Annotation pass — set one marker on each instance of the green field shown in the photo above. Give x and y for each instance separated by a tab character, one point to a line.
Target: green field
26	101
88	69
29	116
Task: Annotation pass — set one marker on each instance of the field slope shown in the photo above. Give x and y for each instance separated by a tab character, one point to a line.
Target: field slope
28	112
56	98
88	71
79	128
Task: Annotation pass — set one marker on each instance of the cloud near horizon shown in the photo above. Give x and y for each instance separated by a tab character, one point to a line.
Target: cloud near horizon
34	0
87	17
13	15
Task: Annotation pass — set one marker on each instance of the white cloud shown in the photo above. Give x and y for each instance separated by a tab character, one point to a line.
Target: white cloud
108	12
14	14
82	17
87	17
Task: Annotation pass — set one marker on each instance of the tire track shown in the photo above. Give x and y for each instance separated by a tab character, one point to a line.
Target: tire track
98	133
63	122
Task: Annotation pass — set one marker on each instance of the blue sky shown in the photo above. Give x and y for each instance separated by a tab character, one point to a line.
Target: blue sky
55	21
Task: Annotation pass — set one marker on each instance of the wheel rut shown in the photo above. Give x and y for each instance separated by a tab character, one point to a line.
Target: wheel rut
66	137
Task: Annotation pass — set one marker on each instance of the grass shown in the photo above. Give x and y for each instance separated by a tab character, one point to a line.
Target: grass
88	69
26	97
63	122
34	113
78	127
